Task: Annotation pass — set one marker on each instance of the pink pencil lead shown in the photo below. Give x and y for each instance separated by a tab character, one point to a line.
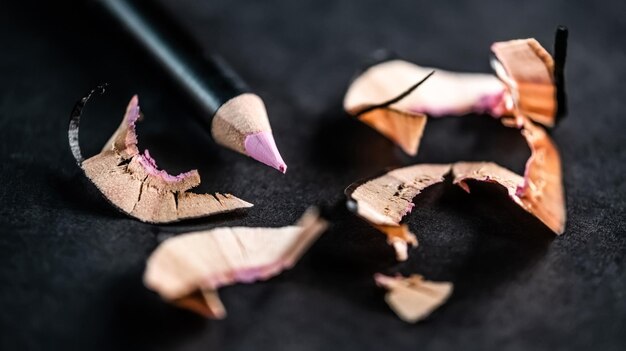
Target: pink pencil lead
262	147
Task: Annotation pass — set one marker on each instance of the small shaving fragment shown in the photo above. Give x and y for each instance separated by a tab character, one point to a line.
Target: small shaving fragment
400	237
188	269
528	71
539	191
132	182
384	200
412	298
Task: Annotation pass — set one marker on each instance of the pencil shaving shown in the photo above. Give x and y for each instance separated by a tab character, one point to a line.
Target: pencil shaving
384	200
188	269
133	183
412	298
445	93
383	108
527	69
399	237
539	191
528	83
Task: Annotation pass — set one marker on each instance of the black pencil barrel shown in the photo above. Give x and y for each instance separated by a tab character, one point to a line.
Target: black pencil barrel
209	80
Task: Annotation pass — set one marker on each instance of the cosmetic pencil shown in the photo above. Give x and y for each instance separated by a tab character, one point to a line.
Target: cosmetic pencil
236	117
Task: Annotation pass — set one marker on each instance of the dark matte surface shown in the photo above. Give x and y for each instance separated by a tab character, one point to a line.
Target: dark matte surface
70	265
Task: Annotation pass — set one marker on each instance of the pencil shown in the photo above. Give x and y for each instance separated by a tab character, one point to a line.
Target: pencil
237	117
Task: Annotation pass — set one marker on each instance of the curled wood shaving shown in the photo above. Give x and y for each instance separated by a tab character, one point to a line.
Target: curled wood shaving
539	192
527	69
383	107
188	269
132	182
528	83
384	200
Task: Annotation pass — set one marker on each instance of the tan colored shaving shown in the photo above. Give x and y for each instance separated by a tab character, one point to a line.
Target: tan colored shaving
528	71
188	269
404	121
383	201
413	298
131	181
539	192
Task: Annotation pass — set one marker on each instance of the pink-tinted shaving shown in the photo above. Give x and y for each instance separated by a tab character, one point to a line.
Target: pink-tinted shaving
133	112
247	275
523	188
491	104
150	166
408	209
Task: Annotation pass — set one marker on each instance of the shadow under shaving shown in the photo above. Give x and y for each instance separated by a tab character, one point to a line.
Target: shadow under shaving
344	259
472	138
503	241
139	318
79	193
508	244
341	142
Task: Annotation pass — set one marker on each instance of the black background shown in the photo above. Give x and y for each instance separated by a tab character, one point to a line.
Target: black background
71	266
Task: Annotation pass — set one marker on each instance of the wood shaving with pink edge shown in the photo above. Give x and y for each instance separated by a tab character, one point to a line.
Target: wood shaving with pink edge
132	182
189	268
384	200
384	96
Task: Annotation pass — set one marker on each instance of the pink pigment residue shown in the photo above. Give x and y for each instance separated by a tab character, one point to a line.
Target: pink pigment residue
131	117
408	209
149	164
246	275
520	191
490	104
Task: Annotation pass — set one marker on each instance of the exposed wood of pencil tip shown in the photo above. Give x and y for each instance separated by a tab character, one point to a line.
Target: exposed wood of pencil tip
242	125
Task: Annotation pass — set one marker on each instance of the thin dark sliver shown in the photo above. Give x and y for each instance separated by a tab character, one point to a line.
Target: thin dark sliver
73	128
397	98
560	54
72	134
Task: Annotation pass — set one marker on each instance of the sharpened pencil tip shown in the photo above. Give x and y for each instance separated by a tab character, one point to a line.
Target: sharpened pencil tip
261	147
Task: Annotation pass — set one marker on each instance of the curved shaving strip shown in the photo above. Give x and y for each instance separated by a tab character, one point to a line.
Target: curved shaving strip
189	268
539	192
132	182
384	200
